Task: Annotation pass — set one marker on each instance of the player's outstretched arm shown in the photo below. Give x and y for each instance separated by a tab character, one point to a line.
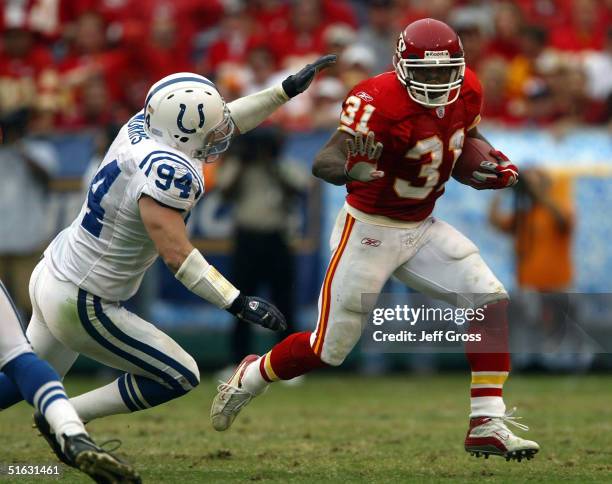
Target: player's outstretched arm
167	230
347	158
250	111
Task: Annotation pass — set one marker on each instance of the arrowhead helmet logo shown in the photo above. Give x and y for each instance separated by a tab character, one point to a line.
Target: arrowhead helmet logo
179	119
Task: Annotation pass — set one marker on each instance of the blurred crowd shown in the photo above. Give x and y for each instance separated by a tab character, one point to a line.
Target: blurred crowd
78	64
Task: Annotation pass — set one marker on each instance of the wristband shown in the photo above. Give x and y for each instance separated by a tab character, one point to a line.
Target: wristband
201	278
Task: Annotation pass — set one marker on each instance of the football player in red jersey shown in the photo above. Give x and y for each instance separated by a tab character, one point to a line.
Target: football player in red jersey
400	135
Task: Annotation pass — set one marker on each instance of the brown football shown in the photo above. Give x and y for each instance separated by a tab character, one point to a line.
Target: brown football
474	152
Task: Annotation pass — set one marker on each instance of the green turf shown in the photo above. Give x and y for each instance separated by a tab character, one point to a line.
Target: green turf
350	429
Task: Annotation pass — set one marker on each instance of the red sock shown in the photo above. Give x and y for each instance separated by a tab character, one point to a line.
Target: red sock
489	360
290	358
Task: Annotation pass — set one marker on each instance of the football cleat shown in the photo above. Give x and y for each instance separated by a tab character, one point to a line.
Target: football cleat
100	465
83	454
231	397
491	436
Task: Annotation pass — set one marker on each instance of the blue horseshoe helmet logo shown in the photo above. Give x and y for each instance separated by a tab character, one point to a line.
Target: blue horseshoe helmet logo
179	119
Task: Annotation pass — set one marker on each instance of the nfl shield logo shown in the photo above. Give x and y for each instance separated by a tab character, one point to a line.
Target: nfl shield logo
440	111
254	305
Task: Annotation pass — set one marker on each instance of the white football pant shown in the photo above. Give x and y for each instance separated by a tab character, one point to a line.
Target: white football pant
67	321
431	257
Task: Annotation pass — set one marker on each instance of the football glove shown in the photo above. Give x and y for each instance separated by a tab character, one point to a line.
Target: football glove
495	175
256	310
361	158
299	82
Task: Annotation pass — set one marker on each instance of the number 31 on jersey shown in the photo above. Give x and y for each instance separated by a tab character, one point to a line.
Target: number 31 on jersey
434	147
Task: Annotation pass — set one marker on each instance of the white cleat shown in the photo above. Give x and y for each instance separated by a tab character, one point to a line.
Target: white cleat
491	436
231	397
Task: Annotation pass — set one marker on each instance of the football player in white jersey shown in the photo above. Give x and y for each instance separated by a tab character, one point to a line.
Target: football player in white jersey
136	208
55	417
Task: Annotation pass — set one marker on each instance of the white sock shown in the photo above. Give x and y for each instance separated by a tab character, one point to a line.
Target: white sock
51	400
100	402
487	407
252	381
63	419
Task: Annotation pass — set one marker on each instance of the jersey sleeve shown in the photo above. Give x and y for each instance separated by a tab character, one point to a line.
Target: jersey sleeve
172	181
473	99
359	114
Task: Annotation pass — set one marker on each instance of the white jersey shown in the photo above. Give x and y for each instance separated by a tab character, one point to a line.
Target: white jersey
106	250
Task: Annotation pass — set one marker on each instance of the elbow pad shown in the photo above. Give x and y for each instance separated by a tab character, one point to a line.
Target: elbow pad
250	111
201	278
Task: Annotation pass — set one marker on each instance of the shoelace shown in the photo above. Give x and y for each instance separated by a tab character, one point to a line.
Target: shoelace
234	404
509	418
107	446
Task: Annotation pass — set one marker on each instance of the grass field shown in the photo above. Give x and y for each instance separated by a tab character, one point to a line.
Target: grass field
342	429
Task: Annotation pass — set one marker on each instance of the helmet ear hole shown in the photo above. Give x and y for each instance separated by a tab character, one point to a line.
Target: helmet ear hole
184	139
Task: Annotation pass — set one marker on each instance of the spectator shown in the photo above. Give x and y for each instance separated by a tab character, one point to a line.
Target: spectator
547	14
94	111
256	182
301	40
473	40
89	57
270	15
328	94
498	105
541	224
560	97
356	64
377	33
162	53
230	47
585	29
508	23
523	67
415	10
28	79
598	69
27	225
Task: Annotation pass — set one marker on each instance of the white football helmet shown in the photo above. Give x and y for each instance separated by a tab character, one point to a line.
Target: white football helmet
185	111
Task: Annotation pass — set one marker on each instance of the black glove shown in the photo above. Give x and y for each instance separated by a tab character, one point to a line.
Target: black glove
258	311
299	82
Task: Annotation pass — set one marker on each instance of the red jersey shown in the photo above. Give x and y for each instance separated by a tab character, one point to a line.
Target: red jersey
421	145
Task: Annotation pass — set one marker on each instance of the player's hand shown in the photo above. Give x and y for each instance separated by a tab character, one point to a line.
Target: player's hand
362	158
494	175
256	310
299	82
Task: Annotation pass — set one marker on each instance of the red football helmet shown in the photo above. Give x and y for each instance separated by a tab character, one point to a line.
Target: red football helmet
429	61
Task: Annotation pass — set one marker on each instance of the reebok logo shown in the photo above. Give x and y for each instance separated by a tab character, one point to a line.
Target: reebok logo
436	54
253	305
365	96
370	242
